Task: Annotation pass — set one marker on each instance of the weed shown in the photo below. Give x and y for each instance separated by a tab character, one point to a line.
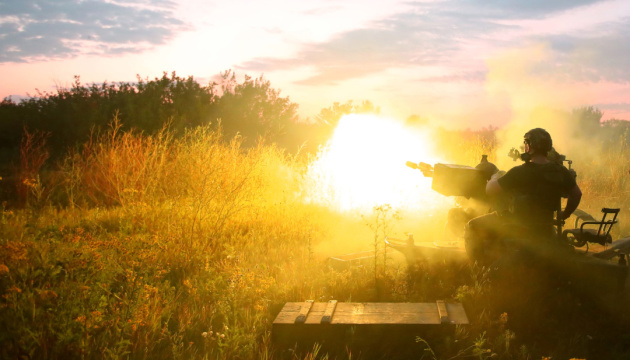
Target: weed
155	247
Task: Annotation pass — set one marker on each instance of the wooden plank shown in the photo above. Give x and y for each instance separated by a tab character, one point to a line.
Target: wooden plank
378	313
456	314
291	310
329	311
355	256
385	313
442	313
303	313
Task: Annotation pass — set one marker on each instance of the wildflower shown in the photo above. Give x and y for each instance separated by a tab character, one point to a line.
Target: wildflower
204	334
3	269
29	182
222	336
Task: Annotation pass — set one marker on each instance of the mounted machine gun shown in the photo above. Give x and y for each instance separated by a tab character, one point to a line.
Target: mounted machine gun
586	251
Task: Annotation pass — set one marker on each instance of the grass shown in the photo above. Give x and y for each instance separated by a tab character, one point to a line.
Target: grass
154	247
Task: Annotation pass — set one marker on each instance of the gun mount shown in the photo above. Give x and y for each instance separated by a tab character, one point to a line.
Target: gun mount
453	180
585	253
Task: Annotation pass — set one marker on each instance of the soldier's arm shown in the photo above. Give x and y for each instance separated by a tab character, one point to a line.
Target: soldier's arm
492	187
575	195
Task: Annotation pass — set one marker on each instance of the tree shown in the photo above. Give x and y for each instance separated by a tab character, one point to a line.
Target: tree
70	115
328	118
252	109
588	119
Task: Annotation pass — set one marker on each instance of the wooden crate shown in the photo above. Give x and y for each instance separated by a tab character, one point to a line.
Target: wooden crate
343	323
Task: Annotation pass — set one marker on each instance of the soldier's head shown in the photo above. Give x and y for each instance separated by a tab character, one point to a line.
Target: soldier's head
538	141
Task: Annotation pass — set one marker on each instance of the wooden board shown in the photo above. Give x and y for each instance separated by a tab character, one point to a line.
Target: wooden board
329	311
303	312
343	262
374	313
429	250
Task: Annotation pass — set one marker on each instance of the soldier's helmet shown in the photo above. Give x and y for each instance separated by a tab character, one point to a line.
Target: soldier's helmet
539	140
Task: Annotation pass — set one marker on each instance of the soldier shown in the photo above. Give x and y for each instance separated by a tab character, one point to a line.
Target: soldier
536	187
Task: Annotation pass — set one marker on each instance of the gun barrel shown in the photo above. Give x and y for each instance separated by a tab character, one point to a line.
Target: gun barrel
424	167
427	169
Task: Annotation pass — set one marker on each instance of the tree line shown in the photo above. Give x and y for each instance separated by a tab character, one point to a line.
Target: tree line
251	108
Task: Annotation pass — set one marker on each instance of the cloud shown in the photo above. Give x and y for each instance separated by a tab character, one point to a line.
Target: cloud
518	9
601	54
402	40
31	30
614	110
471	76
439	33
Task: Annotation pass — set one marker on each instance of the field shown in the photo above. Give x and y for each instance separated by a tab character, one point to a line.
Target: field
155	247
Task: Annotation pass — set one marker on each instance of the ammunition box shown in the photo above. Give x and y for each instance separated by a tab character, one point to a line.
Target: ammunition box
458	180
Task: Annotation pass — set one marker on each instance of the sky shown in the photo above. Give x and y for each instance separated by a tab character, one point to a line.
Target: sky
460	64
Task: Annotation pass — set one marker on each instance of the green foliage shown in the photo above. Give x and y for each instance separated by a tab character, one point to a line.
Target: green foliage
329	117
381	225
587	120
187	264
251	108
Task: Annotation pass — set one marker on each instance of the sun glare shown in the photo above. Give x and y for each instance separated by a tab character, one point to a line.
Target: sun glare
363	166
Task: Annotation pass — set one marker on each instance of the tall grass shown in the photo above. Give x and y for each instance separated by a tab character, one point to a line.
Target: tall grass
161	248
605	181
166	248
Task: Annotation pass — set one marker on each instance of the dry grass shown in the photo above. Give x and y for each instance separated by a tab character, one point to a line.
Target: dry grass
187	248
